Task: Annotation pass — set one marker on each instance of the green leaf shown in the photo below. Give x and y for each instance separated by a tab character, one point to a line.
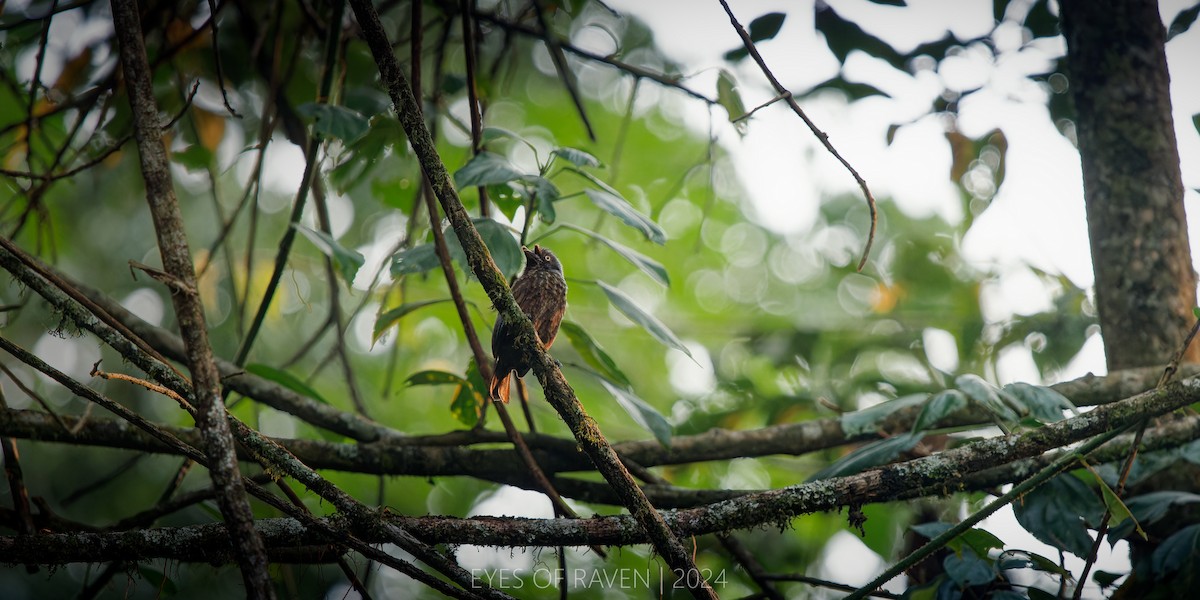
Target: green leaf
194	157
623	210
491	134
1059	512
1045	404
867	456
648	265
861	422
646	320
728	96
367	100
469	397
504	248
592	353
467	401
940	405
335	121
417	259
761	29
1182	22
486	168
643	414
392	315
979	540
285	379
766	26
1116	508
434	377
507	198
1196	309
1181	550
1149	508
347	261
986	396
576	157
1105	579
967	569
547	194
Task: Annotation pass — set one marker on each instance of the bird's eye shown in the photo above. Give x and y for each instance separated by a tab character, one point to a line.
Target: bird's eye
547	257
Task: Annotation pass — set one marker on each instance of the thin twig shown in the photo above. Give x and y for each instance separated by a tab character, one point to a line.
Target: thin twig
821	135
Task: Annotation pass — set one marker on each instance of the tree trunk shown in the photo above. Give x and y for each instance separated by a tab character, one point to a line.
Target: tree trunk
1145	285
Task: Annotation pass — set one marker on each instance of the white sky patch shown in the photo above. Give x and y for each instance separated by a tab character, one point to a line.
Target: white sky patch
691	377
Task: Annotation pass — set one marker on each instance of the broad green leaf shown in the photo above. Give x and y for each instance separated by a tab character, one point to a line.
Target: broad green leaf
648	265
643	414
335	121
576	157
870	455
623	210
728	96
469	397
940	405
491	134
986	396
507	198
647	321
504	248
417	259
547	194
592	353
347	261
467	401
486	168
1021	559
1149	508
1117	510
979	540
967	569
392	315
1181	23
1045	404
284	379
861	422
931	529
760	30
434	377
1105	579
1059	513
1181	550
367	100
766	26
194	157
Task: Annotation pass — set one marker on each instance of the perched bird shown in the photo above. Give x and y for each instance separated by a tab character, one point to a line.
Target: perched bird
541	292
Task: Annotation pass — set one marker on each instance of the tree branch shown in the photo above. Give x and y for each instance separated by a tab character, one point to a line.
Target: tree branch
558	391
177	261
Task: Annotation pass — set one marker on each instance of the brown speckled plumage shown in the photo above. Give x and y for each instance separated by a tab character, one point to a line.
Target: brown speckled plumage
541	292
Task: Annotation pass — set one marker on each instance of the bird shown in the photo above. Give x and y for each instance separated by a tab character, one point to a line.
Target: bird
541	293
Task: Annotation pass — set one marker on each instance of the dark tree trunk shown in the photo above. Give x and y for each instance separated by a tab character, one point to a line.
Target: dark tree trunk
1145	285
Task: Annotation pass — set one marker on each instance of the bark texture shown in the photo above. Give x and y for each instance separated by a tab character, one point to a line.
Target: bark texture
1145	284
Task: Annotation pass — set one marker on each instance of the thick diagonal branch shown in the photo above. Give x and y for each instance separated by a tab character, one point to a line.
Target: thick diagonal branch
558	392
177	261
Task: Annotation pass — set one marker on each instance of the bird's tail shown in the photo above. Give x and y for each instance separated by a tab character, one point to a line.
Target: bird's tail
499	387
